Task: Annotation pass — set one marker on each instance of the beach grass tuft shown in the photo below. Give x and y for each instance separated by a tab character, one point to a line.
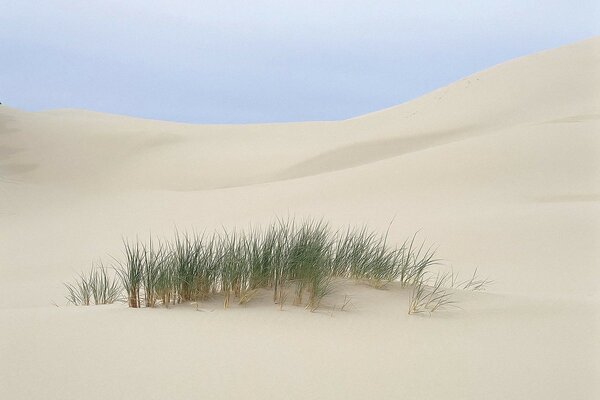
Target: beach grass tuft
98	286
289	257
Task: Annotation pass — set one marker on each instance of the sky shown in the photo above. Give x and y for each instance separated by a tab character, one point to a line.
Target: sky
263	61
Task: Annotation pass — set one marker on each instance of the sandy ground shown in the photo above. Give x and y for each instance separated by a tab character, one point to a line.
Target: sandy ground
500	169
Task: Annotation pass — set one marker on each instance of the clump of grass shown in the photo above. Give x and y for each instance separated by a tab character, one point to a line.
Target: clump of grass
307	260
153	259
131	271
414	262
320	286
361	254
164	285
289	257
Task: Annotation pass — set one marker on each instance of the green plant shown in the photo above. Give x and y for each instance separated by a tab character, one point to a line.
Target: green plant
79	293
288	257
96	286
473	283
429	298
165	282
432	294
153	259
131	271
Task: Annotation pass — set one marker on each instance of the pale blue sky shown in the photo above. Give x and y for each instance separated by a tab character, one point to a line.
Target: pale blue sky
263	61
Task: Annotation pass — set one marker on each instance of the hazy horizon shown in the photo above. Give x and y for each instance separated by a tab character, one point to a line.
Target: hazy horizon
265	62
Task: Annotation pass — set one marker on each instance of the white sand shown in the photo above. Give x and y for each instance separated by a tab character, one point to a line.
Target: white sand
501	169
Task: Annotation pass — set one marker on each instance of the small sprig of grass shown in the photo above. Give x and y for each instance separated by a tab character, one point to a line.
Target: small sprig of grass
473	283
430	295
429	298
79	293
96	286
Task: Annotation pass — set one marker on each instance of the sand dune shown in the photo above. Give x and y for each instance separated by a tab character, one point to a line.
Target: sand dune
225	156
501	169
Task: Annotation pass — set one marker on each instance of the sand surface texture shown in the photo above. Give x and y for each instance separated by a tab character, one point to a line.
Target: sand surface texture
500	169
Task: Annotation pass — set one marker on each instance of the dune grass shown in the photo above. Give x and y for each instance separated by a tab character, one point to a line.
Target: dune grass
295	260
433	292
428	298
97	286
131	271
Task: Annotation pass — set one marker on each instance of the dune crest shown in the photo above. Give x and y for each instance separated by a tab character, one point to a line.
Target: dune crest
549	87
